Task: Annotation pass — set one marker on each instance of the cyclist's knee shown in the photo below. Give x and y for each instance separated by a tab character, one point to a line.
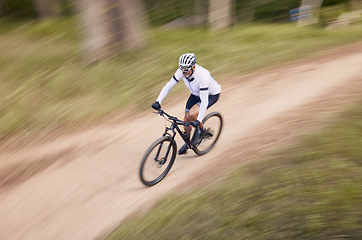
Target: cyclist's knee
190	117
187	117
194	112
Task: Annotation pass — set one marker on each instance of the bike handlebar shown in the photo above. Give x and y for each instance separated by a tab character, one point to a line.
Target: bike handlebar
175	119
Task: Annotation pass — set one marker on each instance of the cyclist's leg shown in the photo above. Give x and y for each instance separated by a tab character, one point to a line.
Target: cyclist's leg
213	99
192	113
199	135
191	110
191	102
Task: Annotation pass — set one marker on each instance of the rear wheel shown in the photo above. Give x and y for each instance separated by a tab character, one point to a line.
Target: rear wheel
212	127
158	161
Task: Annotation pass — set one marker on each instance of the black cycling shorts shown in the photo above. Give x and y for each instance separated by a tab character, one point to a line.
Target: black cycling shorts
196	100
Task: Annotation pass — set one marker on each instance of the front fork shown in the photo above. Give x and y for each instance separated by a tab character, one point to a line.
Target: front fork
166	133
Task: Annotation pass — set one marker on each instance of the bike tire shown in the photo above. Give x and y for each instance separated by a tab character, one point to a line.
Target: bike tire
164	146
213	123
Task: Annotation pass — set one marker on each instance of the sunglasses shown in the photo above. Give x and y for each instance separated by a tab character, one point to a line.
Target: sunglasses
185	69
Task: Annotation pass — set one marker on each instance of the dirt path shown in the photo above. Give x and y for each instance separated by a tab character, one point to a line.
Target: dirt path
80	186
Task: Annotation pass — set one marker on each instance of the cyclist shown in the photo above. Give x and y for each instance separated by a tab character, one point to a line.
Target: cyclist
204	90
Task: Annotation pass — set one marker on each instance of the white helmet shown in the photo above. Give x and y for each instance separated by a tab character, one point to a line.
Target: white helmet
187	61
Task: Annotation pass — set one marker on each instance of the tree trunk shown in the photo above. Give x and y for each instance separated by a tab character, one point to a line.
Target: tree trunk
94	26
315	7
133	20
109	26
46	9
220	14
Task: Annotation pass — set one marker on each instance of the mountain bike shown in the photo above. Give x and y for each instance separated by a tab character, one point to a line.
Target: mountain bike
160	156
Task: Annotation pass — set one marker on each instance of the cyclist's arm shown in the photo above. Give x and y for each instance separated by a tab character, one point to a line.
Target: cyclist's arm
166	89
204	96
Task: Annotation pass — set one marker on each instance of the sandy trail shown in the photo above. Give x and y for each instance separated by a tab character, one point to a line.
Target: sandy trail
80	186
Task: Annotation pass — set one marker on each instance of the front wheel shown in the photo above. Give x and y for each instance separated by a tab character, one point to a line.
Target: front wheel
212	127
158	161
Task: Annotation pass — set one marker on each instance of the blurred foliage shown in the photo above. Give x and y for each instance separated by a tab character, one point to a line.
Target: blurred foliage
334	2
44	83
161	12
25	9
311	190
18	9
274	11
164	11
331	13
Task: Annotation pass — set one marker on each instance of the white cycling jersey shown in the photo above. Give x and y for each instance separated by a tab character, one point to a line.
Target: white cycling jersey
200	84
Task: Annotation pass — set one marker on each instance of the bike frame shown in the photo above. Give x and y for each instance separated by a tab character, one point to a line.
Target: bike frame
175	125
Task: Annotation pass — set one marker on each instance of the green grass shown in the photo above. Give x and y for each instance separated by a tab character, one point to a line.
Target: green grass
312	190
45	84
